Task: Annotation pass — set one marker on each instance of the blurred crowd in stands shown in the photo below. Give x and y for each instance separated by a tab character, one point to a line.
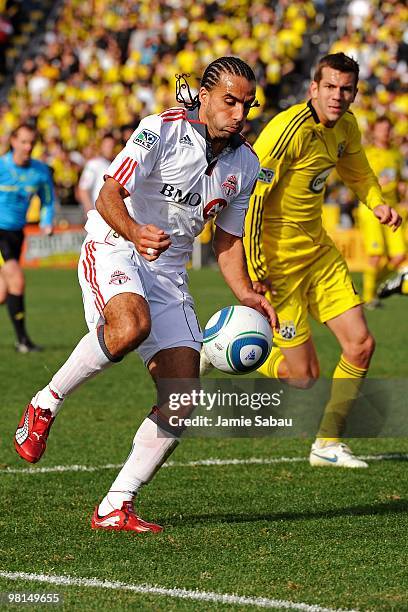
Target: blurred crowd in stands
376	35
104	64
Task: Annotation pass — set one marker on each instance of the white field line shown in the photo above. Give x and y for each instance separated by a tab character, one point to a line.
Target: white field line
146	589
200	462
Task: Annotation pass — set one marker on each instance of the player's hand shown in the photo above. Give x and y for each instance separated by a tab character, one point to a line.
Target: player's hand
151	241
387	216
263	287
261	304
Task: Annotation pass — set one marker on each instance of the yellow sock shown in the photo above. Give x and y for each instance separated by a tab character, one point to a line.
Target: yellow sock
369	284
271	365
347	379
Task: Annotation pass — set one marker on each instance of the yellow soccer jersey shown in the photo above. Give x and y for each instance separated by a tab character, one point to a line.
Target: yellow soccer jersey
387	166
297	153
380	239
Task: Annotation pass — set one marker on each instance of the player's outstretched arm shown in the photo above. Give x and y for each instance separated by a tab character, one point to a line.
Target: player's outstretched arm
149	240
387	216
230	255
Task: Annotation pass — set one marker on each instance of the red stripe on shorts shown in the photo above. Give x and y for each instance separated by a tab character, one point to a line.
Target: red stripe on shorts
90	275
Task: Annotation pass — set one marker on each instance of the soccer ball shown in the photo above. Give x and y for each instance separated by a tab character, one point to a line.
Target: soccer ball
237	339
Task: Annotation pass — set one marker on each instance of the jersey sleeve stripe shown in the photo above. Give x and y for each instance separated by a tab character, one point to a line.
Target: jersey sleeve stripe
173	109
287	127
290	136
129	174
258	230
253	235
288	130
175	118
122	168
173	114
255	238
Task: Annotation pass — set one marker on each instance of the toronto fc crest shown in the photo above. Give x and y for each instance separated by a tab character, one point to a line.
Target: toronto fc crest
229	186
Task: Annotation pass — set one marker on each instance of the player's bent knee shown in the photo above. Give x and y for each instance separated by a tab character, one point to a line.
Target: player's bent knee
361	351
369	345
301	383
134	332
16	286
127	323
303	379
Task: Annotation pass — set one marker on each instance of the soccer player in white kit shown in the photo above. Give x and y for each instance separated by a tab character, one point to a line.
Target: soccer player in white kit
91	180
177	170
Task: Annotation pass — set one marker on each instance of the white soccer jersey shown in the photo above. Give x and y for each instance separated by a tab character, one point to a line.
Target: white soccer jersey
92	176
176	183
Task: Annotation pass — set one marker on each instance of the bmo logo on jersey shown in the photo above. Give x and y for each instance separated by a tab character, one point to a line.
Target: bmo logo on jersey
177	196
317	184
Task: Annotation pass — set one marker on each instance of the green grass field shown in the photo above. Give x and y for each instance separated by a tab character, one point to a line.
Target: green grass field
301	538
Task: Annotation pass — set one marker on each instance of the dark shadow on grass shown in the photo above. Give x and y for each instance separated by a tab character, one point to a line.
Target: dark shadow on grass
392	507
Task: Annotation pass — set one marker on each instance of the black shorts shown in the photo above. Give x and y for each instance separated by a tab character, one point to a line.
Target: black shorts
11	243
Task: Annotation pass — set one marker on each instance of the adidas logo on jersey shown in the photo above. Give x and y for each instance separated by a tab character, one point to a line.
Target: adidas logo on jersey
186	140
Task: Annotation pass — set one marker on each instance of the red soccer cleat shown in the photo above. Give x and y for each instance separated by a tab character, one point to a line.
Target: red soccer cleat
124	519
31	435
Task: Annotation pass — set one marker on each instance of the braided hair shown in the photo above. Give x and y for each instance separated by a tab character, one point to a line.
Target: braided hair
211	78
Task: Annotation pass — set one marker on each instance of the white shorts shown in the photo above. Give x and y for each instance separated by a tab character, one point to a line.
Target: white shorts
106	269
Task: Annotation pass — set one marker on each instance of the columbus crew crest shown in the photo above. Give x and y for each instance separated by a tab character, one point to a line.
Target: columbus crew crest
288	330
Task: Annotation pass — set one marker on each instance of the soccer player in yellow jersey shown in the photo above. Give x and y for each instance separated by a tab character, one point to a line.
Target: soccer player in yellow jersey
292	259
380	242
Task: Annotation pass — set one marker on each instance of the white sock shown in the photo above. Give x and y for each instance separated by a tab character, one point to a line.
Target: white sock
86	360
151	447
48	399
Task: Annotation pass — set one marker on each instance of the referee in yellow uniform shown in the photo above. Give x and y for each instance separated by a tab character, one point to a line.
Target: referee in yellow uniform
292	259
